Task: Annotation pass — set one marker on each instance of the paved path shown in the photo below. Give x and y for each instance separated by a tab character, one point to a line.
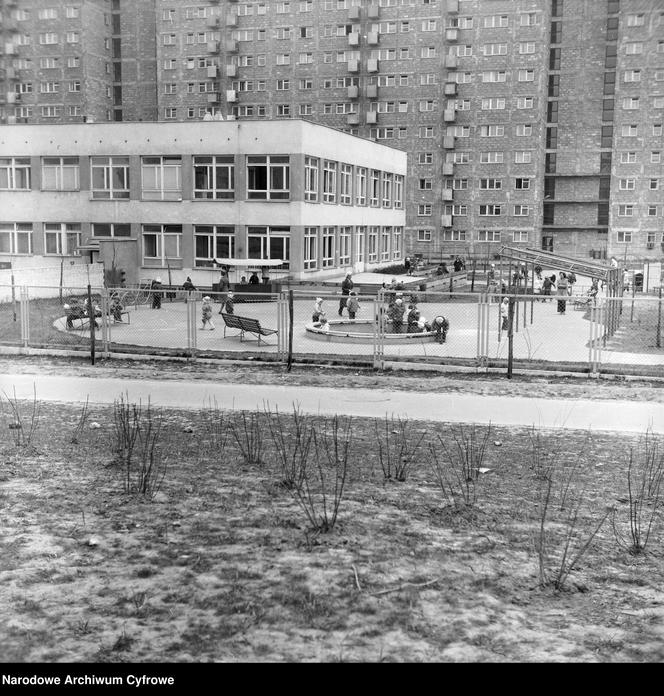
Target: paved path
625	416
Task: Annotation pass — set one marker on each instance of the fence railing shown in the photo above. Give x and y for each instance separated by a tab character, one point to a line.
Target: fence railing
578	333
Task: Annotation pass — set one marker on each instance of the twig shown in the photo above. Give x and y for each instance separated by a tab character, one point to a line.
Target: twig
357	579
405	585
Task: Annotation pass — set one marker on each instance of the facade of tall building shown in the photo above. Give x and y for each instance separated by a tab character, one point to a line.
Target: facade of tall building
527	122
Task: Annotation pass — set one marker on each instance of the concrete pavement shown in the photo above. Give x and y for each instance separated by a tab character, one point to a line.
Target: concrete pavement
622	416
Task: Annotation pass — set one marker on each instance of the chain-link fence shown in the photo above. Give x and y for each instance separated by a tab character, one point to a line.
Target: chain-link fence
481	331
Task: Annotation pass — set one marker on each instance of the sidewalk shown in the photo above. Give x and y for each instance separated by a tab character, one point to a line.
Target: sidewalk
620	416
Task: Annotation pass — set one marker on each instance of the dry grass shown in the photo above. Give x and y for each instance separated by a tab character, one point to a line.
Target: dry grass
220	564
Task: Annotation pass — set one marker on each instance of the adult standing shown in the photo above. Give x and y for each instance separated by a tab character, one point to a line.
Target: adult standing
346	287
224	287
562	292
156	293
253	279
407	266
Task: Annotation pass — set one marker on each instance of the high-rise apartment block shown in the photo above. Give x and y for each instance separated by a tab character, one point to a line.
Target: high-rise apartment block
528	122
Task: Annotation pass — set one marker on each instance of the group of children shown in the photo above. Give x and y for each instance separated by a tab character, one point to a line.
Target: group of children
414	321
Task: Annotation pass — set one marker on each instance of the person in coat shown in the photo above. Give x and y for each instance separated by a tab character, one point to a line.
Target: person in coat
346	287
206	313
562	292
156	293
353	304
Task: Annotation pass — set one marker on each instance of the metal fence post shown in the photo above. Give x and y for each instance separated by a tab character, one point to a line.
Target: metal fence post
25	315
105	321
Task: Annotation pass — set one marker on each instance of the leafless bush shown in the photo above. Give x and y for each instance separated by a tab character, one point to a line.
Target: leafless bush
22	427
217	427
291	449
559	552
248	436
82	420
137	438
457	468
541	457
321	489
645	475
396	446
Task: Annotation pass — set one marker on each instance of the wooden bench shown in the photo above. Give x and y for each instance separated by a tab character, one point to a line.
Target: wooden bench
245	324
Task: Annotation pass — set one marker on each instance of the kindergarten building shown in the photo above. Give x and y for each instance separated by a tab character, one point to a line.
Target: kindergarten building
172	200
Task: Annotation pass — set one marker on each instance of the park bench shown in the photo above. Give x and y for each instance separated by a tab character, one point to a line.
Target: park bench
246	325
123	313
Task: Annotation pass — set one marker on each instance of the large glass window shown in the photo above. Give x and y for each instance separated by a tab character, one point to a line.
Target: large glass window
15	173
214	177
360	241
310	248
162	178
398	191
269	243
385	237
346	184
373	244
110	177
268	177
397	242
329	234
15	238
329	181
345	237
213	242
361	186
62	239
311	179
60	174
387	190
161	245
374	188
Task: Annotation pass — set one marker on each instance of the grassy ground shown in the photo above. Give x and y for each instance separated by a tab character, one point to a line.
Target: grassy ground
219	562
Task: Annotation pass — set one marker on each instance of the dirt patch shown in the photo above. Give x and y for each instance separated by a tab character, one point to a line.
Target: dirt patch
222	564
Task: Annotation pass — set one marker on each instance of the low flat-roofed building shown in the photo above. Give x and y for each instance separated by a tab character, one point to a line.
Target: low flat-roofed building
309	201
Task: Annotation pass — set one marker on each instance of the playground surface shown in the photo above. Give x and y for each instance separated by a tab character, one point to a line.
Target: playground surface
540	332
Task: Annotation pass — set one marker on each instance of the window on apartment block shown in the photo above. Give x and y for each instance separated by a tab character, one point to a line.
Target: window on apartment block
15	173
310	248
488	235
624	237
110	177
626	210
214	177
15	238
490	210
268	177
522	184
519	235
423	235
60	174
521	210
161	245
62	238
491	184
161	178
213	242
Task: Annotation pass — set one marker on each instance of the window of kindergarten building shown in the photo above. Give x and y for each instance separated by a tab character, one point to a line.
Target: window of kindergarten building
15	173
110	177
161	178
329	181
161	246
310	248
329	235
15	238
213	241
268	177
111	229
311	179
269	243
214	177
345	238
60	174
62	238
373	244
360	241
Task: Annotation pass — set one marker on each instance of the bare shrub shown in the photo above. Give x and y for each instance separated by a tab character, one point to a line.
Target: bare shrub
457	469
217	427
22	427
397	446
645	474
321	489
248	436
291	449
560	543
137	438
82	420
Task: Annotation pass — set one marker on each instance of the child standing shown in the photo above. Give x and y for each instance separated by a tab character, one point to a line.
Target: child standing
207	313
353	304
229	305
